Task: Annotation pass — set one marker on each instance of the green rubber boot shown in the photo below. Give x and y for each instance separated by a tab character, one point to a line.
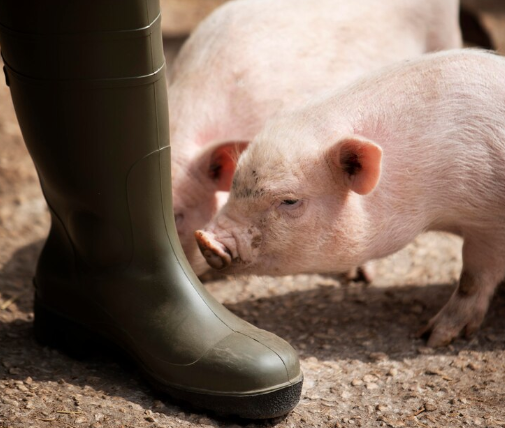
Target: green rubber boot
88	83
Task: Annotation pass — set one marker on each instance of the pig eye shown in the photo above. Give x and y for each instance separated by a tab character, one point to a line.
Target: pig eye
290	202
292	207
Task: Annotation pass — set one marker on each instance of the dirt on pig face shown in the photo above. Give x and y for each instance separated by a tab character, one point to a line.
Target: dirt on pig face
285	214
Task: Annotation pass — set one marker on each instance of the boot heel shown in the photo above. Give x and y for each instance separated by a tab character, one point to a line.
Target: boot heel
56	331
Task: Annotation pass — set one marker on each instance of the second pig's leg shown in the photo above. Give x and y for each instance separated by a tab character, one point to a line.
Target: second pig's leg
483	269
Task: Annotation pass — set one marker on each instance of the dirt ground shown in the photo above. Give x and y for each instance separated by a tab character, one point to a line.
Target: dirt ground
363	366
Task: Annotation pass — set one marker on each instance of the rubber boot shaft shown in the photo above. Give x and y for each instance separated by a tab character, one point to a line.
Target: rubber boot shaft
88	85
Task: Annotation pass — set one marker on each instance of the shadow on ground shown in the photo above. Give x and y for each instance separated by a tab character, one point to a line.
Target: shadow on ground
339	323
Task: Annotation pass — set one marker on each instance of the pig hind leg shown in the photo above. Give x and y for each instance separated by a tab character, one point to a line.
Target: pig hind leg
363	273
483	269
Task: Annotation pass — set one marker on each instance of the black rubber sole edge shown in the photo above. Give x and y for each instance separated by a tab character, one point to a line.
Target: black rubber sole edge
80	342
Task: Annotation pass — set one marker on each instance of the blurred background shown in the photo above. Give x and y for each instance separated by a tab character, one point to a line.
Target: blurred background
482	22
181	16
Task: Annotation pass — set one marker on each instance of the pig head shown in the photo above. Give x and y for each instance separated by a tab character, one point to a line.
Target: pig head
296	210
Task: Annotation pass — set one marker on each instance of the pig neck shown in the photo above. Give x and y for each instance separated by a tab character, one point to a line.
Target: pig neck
428	181
403	204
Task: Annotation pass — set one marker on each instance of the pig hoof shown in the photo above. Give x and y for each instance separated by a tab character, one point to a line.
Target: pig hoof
215	253
437	338
442	329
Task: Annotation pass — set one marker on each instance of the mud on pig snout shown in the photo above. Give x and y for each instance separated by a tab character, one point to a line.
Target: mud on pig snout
217	255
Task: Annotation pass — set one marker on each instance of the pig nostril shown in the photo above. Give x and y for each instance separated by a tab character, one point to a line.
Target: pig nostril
227	251
213	259
216	254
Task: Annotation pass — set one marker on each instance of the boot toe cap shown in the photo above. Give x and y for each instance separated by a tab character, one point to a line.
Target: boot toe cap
241	363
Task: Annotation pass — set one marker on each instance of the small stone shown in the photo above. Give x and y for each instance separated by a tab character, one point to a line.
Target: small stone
417	309
150	419
157	404
356	382
493	337
392	372
378	356
370	378
478	421
425	350
474	366
381	407
205	421
99	417
459	363
29	405
80	420
345	395
22	388
430	407
10	402
372	385
28	380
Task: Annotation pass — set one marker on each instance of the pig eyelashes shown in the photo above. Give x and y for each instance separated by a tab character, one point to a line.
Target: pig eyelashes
291	202
292	207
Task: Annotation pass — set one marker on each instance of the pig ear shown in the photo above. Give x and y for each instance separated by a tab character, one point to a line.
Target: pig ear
223	160
359	160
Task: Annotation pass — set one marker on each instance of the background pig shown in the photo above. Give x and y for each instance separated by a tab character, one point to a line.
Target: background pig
359	174
251	58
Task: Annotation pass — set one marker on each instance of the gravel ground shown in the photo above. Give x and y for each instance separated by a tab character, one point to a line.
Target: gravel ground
363	365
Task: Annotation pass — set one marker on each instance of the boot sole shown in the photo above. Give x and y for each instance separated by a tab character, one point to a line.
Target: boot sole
81	342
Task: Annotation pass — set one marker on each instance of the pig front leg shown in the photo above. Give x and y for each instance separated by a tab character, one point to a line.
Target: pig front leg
483	269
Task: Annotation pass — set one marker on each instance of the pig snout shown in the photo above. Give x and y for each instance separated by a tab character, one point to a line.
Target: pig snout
216	254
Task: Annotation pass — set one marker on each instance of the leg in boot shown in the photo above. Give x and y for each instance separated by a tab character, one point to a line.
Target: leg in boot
88	85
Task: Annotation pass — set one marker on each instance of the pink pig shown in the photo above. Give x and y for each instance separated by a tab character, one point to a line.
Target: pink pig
359	174
252	58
